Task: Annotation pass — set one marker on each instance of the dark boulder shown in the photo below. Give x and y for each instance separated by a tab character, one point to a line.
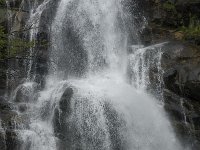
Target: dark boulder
61	114
65	101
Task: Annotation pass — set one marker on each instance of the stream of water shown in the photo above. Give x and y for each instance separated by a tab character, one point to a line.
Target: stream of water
88	102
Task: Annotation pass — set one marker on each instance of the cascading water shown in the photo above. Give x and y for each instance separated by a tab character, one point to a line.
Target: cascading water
87	103
145	64
93	34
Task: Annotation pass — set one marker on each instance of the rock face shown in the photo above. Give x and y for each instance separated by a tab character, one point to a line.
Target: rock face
10	122
172	19
181	64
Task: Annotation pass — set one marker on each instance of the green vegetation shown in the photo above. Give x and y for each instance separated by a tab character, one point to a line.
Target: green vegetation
19	46
169	6
2	2
191	31
11	47
181	18
3	37
3	42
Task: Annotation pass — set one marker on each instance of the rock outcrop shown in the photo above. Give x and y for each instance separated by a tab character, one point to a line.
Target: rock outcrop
181	66
172	20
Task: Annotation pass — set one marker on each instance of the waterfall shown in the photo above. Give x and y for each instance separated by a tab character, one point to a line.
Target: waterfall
87	102
98	36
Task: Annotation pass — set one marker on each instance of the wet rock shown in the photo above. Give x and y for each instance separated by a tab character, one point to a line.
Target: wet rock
183	114
61	114
19	21
7	115
65	100
181	69
41	60
180	63
25	92
5	105
10	122
2	140
12	140
10	119
23	107
170	80
3	78
192	89
65	127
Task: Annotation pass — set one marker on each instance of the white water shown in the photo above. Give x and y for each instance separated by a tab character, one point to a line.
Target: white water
96	24
145	126
141	61
105	111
